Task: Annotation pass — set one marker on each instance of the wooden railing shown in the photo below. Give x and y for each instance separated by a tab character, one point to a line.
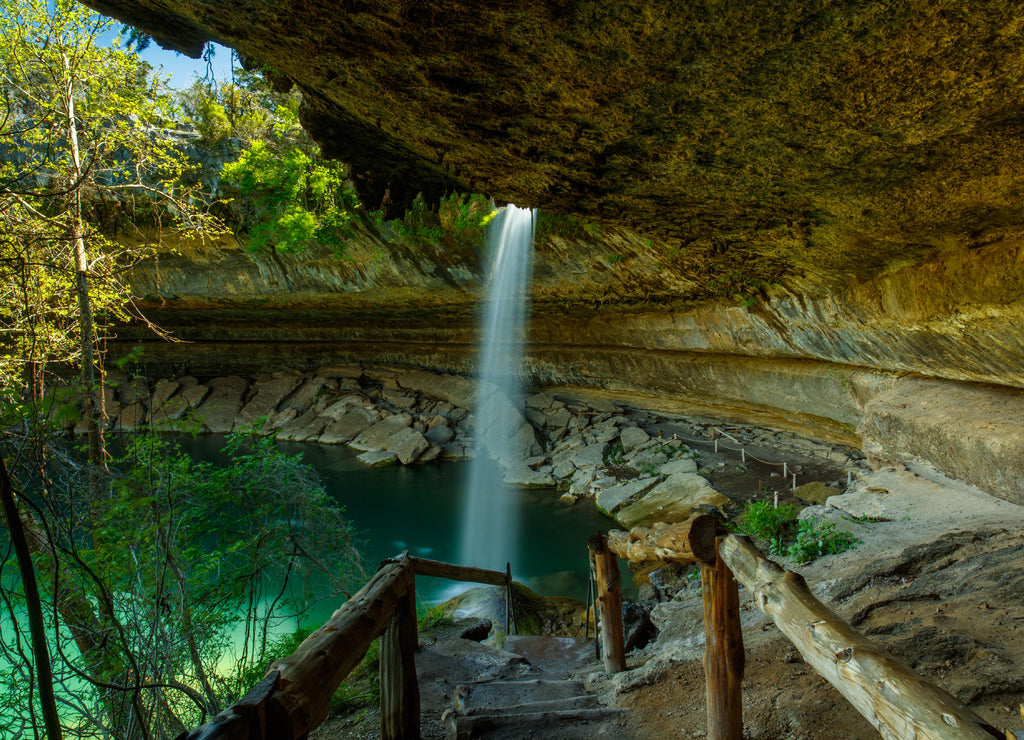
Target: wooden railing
294	696
898	702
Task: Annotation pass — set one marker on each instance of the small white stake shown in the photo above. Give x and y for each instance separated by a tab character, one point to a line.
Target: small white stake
743	454
794	481
849	477
776	499
784	471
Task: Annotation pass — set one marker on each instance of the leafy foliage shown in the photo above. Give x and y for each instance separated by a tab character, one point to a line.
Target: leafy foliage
292	200
801	540
163	564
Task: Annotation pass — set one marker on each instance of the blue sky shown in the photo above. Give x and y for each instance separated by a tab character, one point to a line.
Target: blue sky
184	69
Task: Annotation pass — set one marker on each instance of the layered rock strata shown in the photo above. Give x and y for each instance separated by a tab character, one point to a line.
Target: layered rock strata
589	448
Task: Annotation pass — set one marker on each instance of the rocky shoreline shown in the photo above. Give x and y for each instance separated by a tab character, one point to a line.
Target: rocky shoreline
639	466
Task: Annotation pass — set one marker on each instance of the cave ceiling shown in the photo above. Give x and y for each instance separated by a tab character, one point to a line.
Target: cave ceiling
817	139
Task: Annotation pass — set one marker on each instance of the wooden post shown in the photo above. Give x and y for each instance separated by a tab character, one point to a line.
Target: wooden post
723	651
609	600
399	690
893	698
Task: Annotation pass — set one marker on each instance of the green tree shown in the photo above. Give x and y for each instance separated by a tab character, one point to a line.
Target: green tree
80	133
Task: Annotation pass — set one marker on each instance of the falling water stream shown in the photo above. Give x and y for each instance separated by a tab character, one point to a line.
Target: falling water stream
490	524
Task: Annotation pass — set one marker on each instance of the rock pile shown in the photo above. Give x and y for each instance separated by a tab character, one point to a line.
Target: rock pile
595	448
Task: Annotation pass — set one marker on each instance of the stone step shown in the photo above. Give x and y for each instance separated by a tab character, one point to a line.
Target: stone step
566	724
495	694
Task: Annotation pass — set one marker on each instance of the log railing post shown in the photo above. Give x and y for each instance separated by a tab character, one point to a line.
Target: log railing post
399	690
723	650
609	603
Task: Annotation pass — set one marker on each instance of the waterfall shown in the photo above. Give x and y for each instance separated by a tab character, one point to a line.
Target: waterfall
490	525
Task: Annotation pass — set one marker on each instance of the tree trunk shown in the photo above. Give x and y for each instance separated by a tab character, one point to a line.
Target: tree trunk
399	690
33	605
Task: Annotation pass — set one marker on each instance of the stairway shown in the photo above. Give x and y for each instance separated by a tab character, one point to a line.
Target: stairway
545	701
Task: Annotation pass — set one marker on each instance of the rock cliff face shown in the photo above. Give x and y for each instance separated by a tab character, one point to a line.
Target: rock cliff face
811	211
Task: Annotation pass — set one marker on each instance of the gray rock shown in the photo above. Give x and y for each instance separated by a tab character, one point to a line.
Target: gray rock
133	391
131	417
558	417
163	390
194	394
267	395
451	388
522	476
374	437
612	499
439	435
186	381
431	454
306	427
347	427
377	458
221	407
633	438
407	444
400	400
170	411
682	465
455	452
591	456
539	401
306	394
671	501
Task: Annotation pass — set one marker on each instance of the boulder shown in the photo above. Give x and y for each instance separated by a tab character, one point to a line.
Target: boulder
303	428
131	417
194	393
399	399
633	438
452	388
347	427
133	391
162	391
407	444
306	394
440	435
671	501
612	499
377	458
523	476
374	437
432	453
675	467
172	410
267	395
221	407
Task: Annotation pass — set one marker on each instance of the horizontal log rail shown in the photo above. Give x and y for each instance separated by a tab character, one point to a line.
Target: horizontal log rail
898	702
294	696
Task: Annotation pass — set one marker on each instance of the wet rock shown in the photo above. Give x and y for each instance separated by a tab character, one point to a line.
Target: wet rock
377	458
522	476
307	394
